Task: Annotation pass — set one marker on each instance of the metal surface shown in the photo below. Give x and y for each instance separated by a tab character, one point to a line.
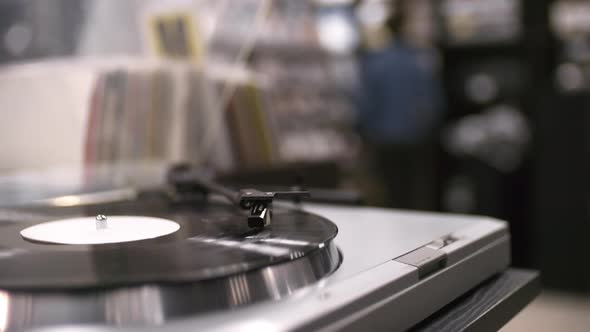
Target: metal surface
428	295
101	221
368	277
152	304
388	296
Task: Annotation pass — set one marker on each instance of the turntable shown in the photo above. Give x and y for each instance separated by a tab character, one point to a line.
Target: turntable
199	256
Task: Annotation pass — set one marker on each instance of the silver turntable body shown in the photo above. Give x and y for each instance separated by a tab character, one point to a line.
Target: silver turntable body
397	268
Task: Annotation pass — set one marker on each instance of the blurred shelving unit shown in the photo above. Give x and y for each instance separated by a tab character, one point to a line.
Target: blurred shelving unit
306	100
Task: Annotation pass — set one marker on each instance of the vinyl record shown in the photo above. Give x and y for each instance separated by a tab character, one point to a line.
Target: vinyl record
213	241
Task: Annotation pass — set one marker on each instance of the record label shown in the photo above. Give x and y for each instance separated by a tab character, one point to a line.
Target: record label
100	230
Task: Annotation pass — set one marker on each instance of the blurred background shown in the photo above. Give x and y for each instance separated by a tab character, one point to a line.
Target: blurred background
462	106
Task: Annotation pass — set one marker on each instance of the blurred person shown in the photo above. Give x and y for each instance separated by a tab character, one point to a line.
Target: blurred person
399	108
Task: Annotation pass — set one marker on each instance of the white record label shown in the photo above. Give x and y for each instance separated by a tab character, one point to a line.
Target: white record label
100	230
